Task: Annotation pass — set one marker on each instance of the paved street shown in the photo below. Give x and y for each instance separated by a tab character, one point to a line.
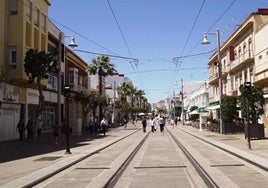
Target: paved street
22	162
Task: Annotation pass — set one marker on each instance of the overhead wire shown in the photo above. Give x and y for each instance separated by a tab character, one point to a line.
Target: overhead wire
125	41
179	61
224	12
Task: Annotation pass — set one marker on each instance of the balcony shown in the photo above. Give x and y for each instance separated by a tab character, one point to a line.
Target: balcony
248	55
78	88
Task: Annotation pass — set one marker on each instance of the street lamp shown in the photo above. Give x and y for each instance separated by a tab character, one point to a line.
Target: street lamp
205	42
67	90
72	44
174	96
113	115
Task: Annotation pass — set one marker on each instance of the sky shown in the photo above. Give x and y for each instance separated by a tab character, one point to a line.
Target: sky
156	43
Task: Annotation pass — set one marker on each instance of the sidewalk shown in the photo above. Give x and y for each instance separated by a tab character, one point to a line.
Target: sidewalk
236	144
23	162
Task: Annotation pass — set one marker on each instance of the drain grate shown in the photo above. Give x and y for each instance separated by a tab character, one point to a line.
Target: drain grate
48	158
140	167
223	165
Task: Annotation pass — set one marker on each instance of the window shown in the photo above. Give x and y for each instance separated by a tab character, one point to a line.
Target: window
28	10
13	55
52	82
43	22
73	76
36	16
13	7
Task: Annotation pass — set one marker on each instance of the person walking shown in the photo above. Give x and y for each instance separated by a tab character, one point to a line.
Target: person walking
176	121
63	129
155	122
21	129
90	126
56	132
151	122
39	127
172	122
103	125
144	124
161	122
29	128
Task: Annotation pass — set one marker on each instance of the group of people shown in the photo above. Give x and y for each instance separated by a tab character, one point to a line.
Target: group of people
57	129
30	129
154	122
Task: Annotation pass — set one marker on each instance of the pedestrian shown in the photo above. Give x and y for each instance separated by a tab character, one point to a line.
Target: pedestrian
125	122
172	122
63	129
39	127
155	123
91	126
29	127
144	124
56	131
161	122
103	125
21	129
176	121
151	122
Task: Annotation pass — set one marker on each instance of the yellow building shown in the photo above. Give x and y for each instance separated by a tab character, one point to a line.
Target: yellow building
239	58
23	26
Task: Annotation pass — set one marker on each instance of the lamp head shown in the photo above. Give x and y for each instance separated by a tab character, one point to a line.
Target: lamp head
205	40
72	43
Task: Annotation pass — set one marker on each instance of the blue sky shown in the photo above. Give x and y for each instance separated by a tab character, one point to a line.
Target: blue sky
153	42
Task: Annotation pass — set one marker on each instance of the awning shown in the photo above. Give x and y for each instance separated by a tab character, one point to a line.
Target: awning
194	112
214	107
198	111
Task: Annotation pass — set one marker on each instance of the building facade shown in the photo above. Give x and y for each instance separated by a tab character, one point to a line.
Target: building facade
23	26
239	58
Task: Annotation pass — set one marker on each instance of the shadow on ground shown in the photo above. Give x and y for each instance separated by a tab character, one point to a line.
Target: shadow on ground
15	149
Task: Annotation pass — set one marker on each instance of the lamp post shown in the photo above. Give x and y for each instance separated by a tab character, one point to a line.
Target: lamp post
247	86
174	96
67	90
205	42
72	44
113	115
182	103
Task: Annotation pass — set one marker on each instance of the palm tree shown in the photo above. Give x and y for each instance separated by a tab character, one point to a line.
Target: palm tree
102	67
124	91
140	95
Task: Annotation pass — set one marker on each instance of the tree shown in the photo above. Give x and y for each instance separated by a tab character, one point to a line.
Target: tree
102	67
38	64
256	102
89	101
229	109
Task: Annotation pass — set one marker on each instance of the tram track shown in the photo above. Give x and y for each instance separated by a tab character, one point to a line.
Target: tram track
189	162
42	179
207	179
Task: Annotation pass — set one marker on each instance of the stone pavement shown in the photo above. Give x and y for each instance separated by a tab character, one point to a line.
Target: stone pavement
23	162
